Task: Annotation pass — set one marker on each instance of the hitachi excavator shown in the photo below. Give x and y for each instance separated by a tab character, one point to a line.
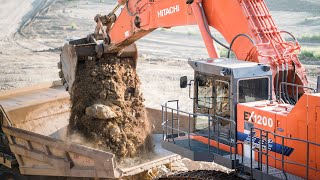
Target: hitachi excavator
255	114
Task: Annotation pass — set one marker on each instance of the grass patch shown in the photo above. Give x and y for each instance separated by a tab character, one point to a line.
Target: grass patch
310	55
224	52
310	38
315	38
74	26
191	33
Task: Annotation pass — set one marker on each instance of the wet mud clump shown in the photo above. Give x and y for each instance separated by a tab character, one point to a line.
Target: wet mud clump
107	106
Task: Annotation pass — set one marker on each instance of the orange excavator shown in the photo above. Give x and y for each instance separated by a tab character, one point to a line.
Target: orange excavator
255	113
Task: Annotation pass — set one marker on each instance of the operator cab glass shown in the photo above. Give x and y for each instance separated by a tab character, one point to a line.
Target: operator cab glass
251	90
219	86
215	96
205	92
212	97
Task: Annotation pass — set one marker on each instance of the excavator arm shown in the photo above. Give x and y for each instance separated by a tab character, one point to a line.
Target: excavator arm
246	25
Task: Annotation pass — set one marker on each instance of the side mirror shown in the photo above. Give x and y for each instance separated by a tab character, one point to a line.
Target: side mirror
183	82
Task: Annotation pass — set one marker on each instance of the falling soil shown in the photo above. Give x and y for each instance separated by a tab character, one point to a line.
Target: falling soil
202	175
107	106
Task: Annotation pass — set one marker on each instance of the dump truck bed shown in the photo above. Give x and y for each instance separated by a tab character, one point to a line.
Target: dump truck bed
35	123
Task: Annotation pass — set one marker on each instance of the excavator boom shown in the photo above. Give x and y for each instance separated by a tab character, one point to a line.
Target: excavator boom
246	25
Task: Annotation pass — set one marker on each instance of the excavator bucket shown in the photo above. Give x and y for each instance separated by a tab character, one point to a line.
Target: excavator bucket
68	64
78	51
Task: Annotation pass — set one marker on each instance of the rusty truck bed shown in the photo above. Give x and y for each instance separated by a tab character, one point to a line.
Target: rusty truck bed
35	122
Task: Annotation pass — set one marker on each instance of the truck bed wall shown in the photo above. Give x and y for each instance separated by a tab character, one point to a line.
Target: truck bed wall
36	127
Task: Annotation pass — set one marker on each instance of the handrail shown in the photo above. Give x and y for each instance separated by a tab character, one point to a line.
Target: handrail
194	114
199	114
282	160
234	145
211	118
285	137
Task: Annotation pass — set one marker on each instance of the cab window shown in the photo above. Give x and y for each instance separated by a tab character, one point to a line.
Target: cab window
251	90
205	92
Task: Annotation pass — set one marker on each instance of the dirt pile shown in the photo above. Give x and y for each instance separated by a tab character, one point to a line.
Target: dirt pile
107	106
202	174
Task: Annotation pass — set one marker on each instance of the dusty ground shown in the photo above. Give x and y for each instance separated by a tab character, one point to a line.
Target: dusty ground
32	31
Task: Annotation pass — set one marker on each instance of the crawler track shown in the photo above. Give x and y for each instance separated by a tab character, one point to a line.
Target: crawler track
202	175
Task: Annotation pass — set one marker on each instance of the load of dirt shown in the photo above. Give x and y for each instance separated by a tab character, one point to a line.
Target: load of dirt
202	175
107	106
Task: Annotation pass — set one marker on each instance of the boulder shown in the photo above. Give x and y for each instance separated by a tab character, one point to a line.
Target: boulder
100	111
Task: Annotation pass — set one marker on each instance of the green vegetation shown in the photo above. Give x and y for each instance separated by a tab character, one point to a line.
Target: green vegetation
190	33
224	52
306	53
310	55
314	38
310	38
73	26
164	29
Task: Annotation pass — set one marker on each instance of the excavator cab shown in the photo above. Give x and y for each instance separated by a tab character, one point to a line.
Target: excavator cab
237	123
218	86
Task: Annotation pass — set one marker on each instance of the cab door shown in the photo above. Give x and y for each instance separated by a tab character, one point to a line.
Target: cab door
203	103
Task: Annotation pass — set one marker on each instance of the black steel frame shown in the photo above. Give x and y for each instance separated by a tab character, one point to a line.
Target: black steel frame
168	127
265	134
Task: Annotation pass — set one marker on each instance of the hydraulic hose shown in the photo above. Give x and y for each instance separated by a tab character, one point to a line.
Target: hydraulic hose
290	34
286	87
208	28
128	10
293	80
284	84
284	79
235	38
277	83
